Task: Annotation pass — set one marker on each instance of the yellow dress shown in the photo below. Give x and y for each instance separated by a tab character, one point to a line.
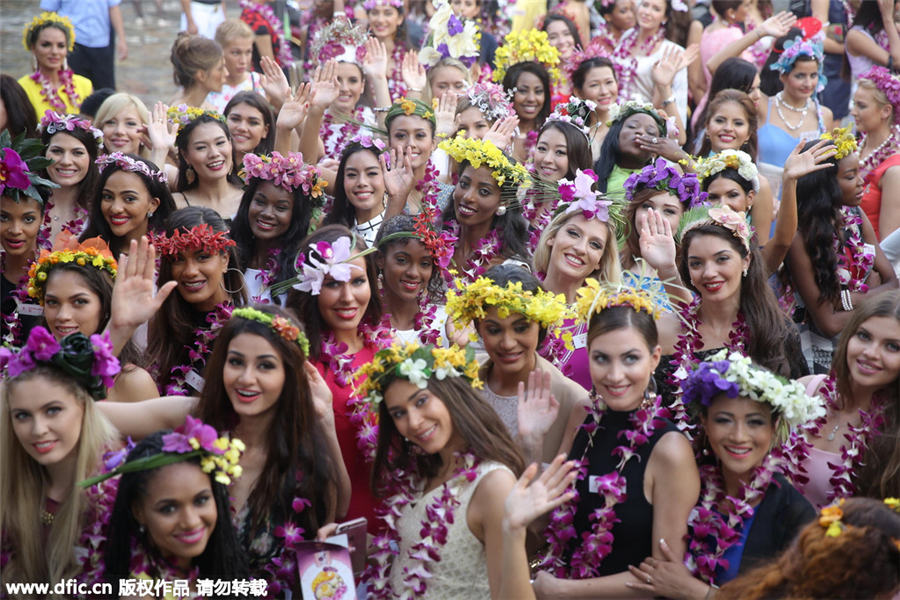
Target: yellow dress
526	13
83	88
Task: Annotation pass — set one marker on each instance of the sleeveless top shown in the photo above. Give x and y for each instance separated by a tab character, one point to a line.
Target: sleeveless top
871	200
776	144
633	534
462	570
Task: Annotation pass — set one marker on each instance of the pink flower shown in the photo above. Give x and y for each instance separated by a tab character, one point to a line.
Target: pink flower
13	171
106	365
42	345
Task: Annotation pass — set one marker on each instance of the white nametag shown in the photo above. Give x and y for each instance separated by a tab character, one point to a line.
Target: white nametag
31	310
195	380
580	340
593	484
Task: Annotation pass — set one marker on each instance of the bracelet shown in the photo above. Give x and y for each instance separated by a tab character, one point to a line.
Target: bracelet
418	90
846	300
668	101
711	591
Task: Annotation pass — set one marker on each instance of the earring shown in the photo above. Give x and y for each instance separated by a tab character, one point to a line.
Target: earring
150	215
190	175
501	210
240	275
142	529
745	271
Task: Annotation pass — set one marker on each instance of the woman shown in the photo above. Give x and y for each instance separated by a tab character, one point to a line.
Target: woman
16	113
53	85
198	69
484	111
386	24
236	39
512	315
132	201
447	75
251	123
72	144
640	466
123	119
834	260
269	37
872	40
53	436
195	252
748	512
563	35
594	79
852	449
20	223
281	204
618	17
740	76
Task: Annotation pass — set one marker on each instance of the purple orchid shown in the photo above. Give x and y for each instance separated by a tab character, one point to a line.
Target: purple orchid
41	344
335	262
106	365
13	171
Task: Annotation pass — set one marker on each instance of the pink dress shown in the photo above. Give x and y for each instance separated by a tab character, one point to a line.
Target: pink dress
710	44
819	486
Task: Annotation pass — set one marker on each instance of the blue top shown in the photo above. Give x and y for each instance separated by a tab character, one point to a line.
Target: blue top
776	144
734	554
90	18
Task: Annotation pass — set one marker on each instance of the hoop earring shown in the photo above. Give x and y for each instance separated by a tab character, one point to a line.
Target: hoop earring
190	175
243	281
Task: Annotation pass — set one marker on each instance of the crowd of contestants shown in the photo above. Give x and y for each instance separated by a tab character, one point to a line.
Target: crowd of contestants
594	301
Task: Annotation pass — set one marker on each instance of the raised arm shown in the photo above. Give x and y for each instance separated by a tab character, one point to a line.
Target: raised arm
139	419
775	26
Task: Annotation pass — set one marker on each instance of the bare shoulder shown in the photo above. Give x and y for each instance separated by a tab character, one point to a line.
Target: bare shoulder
672	450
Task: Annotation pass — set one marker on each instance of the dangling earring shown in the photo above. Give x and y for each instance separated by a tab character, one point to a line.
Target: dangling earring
142	529
34	65
150	215
745	271
190	175
240	275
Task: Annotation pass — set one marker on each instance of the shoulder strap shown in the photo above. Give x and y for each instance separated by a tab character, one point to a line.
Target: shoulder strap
814	383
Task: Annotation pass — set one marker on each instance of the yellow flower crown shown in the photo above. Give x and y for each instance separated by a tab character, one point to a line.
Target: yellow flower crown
480	153
40	269
467	302
843	141
50	17
523	46
594	297
416	364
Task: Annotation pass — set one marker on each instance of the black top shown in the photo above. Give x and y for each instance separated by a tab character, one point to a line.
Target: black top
8	307
633	535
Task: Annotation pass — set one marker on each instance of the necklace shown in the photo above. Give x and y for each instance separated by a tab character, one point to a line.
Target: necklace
624	57
488	248
334	138
188	374
51	93
878	154
779	103
396	85
853	265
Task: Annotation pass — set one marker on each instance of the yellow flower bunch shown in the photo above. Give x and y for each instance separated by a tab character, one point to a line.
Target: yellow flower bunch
480	153
407	106
830	519
416	364
523	46
40	269
50	17
226	464
843	141
594	297
182	115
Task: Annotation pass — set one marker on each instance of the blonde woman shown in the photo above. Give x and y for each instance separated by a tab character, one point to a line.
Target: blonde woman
123	120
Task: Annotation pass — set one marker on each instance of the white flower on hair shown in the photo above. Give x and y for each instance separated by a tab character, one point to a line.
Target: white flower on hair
416	371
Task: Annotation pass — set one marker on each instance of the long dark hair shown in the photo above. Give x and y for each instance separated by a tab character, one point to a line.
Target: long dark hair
868	17
87	186
342	211
592	63
511	80
98	225
182	141
611	153
19	111
267	143
221	559
434	288
503	275
474	420
573	30
677	24
296	463
306	304
577	147
743	100
769	79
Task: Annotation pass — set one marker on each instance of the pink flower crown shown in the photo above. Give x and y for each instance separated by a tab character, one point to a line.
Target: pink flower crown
198	237
724	216
370	4
595	49
127	163
367	141
576	112
54	122
334	260
888	83
579	195
491	99
287	172
340	40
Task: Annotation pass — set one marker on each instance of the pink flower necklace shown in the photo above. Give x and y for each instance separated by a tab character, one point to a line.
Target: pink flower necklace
530	210
13	337
487	250
424	554
281	46
428	186
878	155
187	375
51	93
684	358
596	544
852	269
624	56
280	571
100	498
267	274
76	225
334	140
396	85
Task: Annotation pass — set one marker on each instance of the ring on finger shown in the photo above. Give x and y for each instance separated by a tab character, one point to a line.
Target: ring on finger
649	580
655	140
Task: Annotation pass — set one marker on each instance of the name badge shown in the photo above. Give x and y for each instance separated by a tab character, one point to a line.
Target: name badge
195	380
31	310
580	340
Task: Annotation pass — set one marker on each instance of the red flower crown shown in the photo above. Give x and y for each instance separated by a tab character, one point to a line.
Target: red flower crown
198	237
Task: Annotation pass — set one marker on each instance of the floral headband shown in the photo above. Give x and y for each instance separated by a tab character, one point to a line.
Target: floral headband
416	364
480	153
491	99
89	361
276	323
843	140
287	172
439	243
46	18
183	115
797	47
370	4
132	165
734	374
663	176
594	297
738	160
335	259
450	37
620	112
367	141
406	107
54	122
340	40
723	216
888	83
199	237
831	518
20	161
92	252
595	49
576	112
218	455
524	46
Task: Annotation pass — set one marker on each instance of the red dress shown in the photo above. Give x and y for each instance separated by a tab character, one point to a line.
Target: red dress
871	200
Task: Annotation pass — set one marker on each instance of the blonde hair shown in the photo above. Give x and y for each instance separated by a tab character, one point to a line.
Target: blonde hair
609	270
23	490
880	97
444	62
232	29
191	54
116	104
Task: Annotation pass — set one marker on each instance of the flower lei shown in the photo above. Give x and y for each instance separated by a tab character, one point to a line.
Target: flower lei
50	93
342	136
523	46
53	122
13	321
428	187
281	46
480	258
531	139
287	172
596	544
796	449
75	226
268	273
396	84
623	55
852	269
433	533
884	151
198	353
537	212
91	546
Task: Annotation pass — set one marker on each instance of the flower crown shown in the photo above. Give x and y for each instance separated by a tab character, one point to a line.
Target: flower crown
843	140
218	455
127	163
439	243
595	49
724	216
340	40
183	115
89	361
800	47
335	260
54	122
450	37
733	374
491	99
576	112
594	297
663	176
370	4
92	252
469	301
524	46
367	141
276	323
620	112
579	195
831	518
50	17
409	108
20	161
480	153
738	160
199	237
416	364
287	172
888	83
